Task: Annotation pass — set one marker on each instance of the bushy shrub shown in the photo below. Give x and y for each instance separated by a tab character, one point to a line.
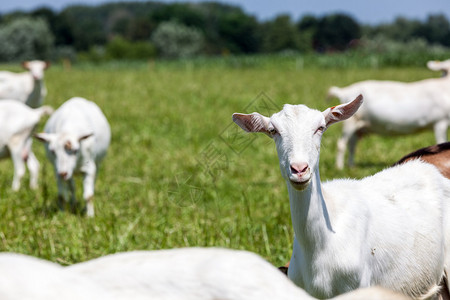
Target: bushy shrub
175	40
413	52
25	38
119	48
64	52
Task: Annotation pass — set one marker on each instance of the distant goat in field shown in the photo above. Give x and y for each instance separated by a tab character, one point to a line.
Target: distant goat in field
77	137
395	108
27	87
17	122
391	229
443	66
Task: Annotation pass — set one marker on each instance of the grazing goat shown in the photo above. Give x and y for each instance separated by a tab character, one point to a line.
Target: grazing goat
394	108
17	122
27	87
391	229
177	274
77	137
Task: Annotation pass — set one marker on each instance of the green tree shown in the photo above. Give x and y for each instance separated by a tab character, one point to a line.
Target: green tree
184	13
334	32
307	27
173	40
401	30
140	29
25	38
437	30
240	32
119	48
280	34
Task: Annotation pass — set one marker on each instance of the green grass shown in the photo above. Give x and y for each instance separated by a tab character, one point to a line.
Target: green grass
169	179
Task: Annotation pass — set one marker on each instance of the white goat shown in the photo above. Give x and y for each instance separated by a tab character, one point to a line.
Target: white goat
178	274
394	108
17	122
198	273
443	66
391	229
27	87
77	137
26	277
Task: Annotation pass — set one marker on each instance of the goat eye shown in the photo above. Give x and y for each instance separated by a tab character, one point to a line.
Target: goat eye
320	129
272	131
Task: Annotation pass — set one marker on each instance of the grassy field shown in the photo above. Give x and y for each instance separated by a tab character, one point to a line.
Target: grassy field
178	172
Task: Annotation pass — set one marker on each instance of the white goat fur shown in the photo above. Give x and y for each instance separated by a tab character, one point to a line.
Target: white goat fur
77	137
27	87
395	108
17	122
390	229
26	277
443	66
177	274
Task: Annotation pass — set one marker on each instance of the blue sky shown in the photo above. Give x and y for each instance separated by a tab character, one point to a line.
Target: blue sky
365	11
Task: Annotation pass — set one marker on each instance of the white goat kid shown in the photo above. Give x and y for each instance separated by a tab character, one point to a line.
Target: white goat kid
17	122
27	87
390	229
394	108
77	137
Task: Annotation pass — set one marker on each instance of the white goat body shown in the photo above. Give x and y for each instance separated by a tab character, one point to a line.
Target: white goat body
391	229
26	277
177	274
394	108
27	87
77	137
189	273
17	122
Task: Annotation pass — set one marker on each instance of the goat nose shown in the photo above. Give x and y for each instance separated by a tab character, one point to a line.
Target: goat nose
62	174
299	168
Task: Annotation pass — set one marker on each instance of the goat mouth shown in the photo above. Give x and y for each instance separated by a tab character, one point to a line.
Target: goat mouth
300	185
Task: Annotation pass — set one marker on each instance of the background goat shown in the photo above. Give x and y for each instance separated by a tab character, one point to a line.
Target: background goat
17	122
77	137
394	108
27	87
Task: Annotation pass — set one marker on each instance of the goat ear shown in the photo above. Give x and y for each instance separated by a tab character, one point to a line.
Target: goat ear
342	112
47	64
43	137
254	122
83	137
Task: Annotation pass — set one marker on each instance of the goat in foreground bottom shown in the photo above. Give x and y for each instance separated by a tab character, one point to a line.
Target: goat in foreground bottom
173	274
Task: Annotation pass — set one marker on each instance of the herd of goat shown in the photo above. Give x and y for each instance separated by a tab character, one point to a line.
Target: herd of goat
386	236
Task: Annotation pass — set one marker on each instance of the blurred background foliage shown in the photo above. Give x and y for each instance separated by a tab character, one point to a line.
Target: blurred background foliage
148	30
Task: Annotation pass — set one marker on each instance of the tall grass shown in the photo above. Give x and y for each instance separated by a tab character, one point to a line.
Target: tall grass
175	176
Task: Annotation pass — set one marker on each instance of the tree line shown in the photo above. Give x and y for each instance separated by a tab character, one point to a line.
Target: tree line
142	30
